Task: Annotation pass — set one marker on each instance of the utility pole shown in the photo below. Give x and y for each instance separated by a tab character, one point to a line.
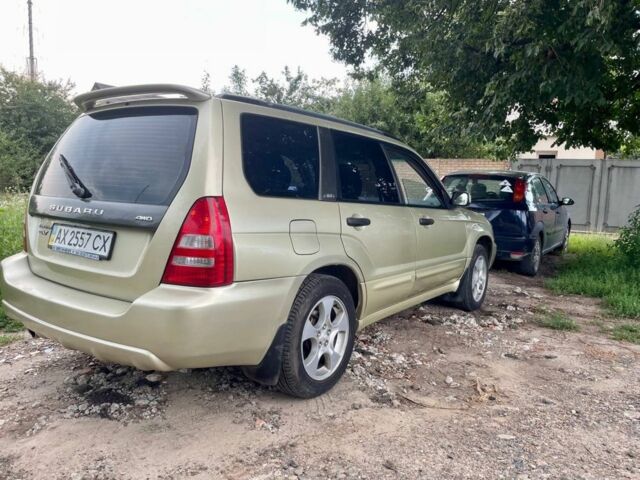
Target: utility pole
31	61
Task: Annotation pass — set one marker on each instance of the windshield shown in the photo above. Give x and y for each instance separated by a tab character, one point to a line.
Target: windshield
482	188
132	155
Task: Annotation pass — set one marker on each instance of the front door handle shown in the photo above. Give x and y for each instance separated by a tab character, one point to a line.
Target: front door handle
358	221
426	221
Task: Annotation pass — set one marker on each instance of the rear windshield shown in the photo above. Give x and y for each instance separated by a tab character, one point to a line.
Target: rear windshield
482	188
132	155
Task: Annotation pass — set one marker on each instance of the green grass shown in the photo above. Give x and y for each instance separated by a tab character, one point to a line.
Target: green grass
594	268
558	321
7	339
12	209
627	333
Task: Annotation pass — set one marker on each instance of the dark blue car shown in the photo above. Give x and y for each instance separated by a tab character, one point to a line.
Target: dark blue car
528	217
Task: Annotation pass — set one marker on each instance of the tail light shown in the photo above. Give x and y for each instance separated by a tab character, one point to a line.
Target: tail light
202	255
518	190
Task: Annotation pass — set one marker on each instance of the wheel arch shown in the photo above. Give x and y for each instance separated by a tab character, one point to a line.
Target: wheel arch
268	371
349	277
538	232
487	243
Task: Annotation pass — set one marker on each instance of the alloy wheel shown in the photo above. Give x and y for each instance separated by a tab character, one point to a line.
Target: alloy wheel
479	278
324	337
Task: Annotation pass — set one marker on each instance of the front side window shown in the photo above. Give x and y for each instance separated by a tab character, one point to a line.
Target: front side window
280	158
551	192
363	170
417	191
538	192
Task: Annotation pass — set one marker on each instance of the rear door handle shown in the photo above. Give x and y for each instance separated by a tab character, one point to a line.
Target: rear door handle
358	221
426	221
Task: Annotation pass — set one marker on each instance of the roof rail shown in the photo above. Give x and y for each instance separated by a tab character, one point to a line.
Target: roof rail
301	111
87	101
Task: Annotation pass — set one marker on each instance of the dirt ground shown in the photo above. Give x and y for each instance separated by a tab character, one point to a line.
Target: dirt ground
431	393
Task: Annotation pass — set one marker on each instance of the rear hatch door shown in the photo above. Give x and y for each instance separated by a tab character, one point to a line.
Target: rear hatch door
102	194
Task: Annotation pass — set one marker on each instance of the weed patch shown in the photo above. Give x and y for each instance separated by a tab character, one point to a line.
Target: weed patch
558	321
593	267
627	333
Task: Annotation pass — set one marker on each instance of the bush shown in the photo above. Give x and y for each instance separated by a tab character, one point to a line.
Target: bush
628	243
18	164
33	114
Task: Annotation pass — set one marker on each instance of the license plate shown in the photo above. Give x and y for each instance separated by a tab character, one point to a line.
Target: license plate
83	242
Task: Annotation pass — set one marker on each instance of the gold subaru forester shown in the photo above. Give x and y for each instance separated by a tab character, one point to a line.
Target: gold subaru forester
168	228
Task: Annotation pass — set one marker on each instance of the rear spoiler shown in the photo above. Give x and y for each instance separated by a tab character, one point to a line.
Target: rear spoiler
111	95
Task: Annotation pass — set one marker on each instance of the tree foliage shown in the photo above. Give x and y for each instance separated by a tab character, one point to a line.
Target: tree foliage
292	88
18	163
417	115
33	114
516	69
36	112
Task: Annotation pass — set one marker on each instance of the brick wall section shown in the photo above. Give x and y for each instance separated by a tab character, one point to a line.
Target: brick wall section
444	166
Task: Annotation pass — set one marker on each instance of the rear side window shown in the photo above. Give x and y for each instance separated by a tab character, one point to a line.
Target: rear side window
280	158
363	170
130	155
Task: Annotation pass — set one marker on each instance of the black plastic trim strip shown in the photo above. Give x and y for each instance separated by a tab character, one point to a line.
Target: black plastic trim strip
134	215
328	178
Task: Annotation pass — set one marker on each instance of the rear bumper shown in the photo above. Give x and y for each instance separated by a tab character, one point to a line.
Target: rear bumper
509	248
168	328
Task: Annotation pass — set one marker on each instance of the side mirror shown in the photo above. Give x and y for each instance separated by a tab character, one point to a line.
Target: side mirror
460	199
567	201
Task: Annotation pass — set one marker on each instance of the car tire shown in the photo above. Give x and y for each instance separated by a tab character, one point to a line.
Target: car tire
473	286
531	263
319	337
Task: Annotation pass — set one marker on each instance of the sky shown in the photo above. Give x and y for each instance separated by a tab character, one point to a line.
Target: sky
126	42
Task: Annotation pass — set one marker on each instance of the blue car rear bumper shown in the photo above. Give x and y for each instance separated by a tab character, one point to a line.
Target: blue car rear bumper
513	248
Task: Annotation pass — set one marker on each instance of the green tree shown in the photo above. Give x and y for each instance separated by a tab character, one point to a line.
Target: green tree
295	89
415	114
514	69
34	112
238	81
18	163
407	110
205	82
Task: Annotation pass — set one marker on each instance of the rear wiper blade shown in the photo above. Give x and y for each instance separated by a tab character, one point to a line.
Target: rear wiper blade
77	187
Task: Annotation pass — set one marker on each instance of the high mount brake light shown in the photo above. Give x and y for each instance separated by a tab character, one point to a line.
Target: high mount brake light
202	255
